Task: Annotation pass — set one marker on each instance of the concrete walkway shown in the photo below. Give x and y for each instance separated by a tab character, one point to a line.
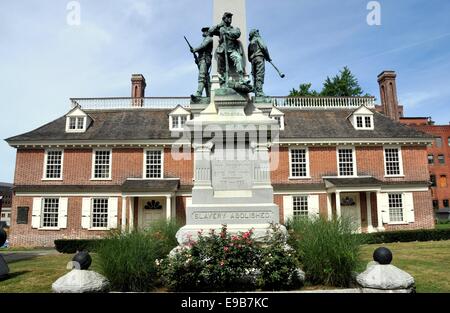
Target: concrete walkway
14	256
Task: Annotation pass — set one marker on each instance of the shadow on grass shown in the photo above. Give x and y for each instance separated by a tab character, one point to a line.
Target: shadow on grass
13	259
13	275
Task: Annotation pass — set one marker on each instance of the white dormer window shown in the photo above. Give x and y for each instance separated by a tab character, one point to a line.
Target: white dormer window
77	121
362	119
278	116
178	118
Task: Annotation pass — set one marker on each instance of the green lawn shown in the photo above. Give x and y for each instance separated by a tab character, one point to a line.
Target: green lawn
428	262
443	226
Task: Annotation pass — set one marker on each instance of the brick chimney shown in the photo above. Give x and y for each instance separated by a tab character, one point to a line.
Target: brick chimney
138	89
388	92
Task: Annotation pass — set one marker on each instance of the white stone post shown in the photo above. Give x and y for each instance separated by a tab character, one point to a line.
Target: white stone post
338	204
369	213
329	207
131	222
124	213
261	168
168	207
202	170
379	213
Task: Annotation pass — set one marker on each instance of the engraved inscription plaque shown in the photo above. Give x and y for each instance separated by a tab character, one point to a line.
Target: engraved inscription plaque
231	175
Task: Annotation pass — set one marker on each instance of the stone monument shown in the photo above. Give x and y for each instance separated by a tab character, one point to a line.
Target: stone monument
231	140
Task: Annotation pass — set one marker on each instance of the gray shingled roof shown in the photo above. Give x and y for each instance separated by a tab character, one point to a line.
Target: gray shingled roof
145	124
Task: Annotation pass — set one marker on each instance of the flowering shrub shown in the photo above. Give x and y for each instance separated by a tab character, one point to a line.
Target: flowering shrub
279	265
225	262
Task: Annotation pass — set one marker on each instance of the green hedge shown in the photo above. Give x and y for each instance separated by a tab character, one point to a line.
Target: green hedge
74	245
407	236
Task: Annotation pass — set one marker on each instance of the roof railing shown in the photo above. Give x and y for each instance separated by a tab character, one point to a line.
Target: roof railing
172	102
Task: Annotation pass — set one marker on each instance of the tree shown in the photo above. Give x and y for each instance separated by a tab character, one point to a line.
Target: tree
303	91
343	84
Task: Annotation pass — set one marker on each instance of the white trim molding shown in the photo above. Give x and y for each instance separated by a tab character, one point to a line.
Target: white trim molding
44	174
400	161
94	151
354	163
144	171
308	174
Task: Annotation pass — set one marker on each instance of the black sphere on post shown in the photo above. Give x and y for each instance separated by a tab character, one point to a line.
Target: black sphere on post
382	255
84	259
3	237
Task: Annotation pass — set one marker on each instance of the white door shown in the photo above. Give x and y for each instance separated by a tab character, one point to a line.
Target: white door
151	209
351	209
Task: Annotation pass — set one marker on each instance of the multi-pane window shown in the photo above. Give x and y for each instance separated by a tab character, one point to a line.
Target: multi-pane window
396	207
441	159
448	141
438	142
392	161
76	122
446	204
178	121
430	159
300	206
50	212
299	166
433	180
100	212
368	121
359	122
345	157
53	166
102	164
153	164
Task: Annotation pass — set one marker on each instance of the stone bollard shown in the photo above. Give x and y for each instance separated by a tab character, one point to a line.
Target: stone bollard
382	277
80	279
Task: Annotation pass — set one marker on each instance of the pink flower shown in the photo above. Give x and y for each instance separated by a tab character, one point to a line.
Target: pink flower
225	249
222	263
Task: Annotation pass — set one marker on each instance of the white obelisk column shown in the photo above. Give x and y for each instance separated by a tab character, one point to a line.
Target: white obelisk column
238	9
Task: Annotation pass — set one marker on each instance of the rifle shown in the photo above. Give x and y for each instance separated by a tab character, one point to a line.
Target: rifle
191	49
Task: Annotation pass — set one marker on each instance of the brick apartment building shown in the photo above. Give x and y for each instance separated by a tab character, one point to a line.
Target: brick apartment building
438	158
109	163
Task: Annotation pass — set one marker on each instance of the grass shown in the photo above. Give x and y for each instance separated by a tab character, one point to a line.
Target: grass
37	274
428	262
443	226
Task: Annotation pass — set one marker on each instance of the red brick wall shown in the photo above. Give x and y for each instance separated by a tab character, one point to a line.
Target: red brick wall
126	163
22	235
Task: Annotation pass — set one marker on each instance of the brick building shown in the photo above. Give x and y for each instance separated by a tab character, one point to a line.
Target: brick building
438	158
5	202
116	163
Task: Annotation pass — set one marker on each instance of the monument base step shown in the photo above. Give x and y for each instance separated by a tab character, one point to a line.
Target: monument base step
261	232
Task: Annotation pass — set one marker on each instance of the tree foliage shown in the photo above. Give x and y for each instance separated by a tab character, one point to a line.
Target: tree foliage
344	84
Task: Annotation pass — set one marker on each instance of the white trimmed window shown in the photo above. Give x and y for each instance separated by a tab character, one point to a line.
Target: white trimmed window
153	164
50	208
300	206
178	122
76	123
298	160
99	212
363	122
395	207
393	161
102	164
53	164
346	162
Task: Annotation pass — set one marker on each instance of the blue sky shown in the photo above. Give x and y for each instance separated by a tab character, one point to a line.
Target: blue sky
44	61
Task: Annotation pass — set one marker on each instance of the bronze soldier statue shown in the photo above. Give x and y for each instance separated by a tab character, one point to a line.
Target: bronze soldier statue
257	55
204	63
230	49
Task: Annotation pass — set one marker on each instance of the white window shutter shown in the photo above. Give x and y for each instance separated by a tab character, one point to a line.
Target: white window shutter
313	206
36	213
112	212
288	208
408	207
62	212
86	213
384	207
